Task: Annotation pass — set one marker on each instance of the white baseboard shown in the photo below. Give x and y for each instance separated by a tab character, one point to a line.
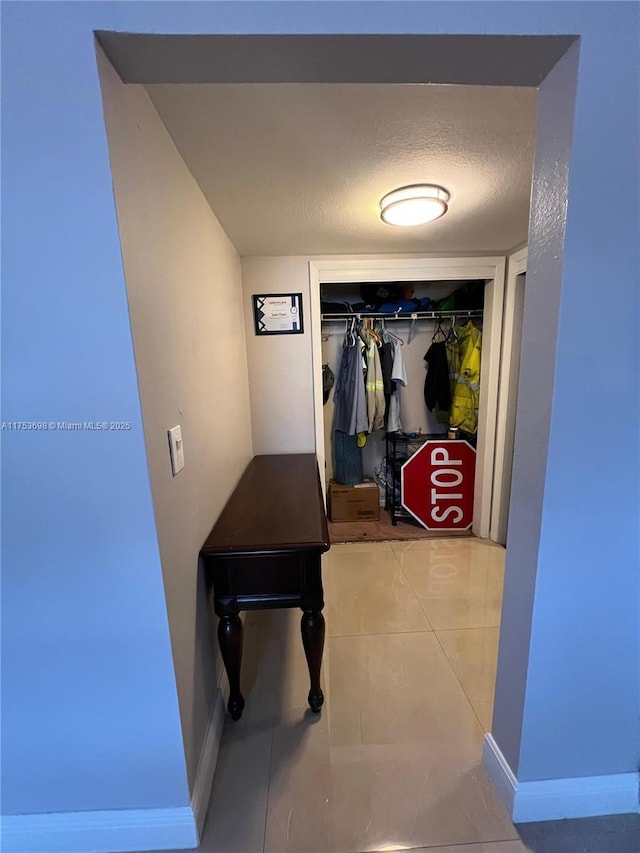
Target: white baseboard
100	831
556	799
127	829
499	772
207	763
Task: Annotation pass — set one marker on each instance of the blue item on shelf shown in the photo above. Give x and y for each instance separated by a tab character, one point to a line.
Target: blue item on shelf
405	306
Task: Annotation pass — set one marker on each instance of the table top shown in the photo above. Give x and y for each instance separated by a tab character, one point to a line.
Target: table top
277	506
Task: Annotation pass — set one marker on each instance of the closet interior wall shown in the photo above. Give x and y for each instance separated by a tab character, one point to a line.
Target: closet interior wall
415	416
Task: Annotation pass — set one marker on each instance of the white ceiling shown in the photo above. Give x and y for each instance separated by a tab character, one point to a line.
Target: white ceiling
299	168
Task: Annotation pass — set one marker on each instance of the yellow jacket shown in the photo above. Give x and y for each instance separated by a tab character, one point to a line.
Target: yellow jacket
464	373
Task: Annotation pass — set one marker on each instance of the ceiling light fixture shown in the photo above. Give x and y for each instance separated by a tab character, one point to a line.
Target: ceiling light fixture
414	205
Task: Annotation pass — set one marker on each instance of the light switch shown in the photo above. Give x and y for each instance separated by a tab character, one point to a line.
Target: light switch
176	448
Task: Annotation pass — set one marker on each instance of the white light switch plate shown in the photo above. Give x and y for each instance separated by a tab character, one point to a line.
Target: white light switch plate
177	449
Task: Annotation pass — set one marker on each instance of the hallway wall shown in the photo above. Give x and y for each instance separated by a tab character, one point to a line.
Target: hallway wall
280	371
535	384
581	713
90	716
185	304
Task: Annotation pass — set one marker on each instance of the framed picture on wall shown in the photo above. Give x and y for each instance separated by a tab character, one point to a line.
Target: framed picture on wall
278	314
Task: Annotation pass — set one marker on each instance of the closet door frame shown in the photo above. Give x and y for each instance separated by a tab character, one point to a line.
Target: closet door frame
507	388
492	270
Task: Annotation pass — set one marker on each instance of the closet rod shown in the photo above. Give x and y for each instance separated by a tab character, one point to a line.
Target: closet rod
405	315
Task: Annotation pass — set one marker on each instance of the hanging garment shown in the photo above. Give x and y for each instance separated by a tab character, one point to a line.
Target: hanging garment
328	380
347	458
386	363
437	391
350	413
453	358
399	379
464	365
374	388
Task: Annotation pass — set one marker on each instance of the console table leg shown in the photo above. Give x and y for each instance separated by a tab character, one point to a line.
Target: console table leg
230	639
312	627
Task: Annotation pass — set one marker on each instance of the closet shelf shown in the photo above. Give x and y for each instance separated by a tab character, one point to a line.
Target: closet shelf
402	315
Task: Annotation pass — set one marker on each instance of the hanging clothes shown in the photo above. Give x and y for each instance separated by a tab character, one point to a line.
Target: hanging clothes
374	388
328	380
350	413
347	459
437	390
386	363
464	370
399	379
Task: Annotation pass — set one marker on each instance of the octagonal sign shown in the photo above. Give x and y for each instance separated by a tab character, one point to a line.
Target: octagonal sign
437	484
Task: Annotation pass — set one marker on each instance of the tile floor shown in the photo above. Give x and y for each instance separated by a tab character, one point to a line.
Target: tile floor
393	762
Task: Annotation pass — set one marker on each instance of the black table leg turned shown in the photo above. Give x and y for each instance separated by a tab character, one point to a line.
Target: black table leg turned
230	639
312	627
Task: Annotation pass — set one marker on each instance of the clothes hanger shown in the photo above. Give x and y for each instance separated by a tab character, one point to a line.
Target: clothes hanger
391	334
412	328
439	331
371	331
452	331
378	328
350	337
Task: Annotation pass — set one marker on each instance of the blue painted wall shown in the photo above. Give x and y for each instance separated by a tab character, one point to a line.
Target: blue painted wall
90	716
89	707
581	708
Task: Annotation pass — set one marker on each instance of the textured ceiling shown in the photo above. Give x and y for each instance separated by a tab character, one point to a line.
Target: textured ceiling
299	168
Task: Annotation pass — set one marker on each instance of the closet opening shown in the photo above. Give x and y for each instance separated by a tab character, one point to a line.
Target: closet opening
431	313
413	331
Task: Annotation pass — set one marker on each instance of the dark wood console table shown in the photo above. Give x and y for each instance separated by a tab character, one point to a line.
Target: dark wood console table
264	552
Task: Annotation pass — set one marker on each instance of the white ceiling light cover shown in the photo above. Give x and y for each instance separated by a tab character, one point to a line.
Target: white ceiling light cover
414	205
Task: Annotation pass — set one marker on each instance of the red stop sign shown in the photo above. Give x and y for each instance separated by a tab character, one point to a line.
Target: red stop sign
437	485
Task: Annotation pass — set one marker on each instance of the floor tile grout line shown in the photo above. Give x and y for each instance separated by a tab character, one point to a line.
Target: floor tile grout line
266	807
446	656
426	615
435	632
469	844
426	544
416	596
381	633
401	543
471	628
455	675
411	631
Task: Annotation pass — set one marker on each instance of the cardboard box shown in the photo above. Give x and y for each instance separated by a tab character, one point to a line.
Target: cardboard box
354	503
